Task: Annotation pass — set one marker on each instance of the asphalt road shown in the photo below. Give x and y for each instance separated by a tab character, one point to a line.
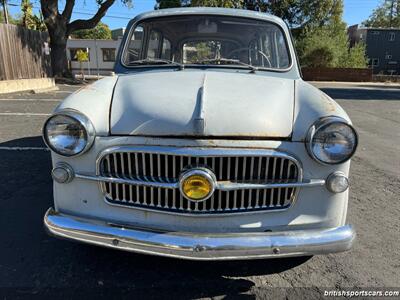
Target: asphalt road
32	263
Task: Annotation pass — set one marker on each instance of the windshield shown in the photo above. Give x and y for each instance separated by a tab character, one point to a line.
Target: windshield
207	40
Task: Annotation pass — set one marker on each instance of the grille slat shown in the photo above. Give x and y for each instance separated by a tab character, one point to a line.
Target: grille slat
166	167
243	178
235	178
121	163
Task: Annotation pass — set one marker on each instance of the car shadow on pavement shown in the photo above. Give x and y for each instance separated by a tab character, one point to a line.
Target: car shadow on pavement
32	141
363	94
34	262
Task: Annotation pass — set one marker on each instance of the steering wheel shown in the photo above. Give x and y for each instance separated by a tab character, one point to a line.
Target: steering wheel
266	58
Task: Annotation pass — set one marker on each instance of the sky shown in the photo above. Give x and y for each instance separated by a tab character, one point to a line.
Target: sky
355	11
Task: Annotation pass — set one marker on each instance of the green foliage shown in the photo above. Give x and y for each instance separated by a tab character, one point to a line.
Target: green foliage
321	56
101	31
161	4
29	19
328	46
298	14
11	20
27	14
201	51
357	57
218	3
82	56
204	3
306	13
128	3
385	15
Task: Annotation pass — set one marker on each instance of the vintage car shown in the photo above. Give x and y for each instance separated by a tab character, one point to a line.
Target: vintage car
206	145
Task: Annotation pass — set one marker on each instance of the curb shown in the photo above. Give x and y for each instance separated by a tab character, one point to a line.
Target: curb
44	90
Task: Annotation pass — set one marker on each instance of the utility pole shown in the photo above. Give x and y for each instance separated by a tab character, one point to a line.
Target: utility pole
4	3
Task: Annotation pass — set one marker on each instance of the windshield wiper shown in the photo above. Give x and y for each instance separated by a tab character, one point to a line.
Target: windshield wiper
227	61
157	61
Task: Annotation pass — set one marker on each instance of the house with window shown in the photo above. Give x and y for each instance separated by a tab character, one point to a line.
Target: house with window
382	47
102	55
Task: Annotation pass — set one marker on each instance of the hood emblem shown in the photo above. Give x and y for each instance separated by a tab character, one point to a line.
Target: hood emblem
199	114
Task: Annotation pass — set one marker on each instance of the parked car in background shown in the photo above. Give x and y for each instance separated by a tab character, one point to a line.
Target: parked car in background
206	145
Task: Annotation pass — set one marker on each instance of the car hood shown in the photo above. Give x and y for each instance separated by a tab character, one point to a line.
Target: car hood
203	104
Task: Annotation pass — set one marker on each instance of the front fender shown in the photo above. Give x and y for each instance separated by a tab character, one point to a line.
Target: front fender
93	101
312	104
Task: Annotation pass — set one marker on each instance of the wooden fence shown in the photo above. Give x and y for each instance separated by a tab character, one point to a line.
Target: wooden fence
23	53
337	74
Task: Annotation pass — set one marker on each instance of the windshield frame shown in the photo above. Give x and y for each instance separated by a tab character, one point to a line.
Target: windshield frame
137	22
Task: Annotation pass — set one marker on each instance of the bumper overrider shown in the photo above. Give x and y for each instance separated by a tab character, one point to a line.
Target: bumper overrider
201	246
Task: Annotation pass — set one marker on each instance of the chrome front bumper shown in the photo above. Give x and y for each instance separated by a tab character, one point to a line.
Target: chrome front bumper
200	246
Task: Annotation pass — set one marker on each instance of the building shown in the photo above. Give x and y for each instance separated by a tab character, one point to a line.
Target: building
102	54
117	33
382	47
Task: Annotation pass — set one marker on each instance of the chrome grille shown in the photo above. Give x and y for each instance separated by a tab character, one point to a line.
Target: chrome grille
227	165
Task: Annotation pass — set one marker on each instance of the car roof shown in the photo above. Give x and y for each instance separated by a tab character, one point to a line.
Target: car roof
210	11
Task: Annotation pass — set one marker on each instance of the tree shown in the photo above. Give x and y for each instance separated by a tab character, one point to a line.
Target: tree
385	15
60	26
5	13
318	57
29	19
11	20
328	46
82	56
27	14
100	32
161	4
219	3
298	14
357	57
210	3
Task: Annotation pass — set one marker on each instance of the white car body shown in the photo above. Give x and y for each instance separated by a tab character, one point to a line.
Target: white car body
202	113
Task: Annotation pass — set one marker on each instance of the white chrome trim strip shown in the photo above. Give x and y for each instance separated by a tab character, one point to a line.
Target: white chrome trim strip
232	186
220	185
128	181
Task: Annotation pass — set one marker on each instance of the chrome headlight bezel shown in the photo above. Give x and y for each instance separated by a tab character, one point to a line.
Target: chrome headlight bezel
79	118
319	125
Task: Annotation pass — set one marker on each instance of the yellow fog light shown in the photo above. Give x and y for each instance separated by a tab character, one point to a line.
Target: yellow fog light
197	184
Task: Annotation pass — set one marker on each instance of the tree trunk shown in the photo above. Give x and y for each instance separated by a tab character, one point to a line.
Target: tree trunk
59	60
59	28
58	44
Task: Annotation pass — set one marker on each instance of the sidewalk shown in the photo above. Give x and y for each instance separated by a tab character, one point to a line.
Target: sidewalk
365	85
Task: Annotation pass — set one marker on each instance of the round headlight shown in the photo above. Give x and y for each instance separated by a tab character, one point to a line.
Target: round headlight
332	141
68	133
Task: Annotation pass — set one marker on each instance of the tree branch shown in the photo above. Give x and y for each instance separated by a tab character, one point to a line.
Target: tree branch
49	11
92	22
67	13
